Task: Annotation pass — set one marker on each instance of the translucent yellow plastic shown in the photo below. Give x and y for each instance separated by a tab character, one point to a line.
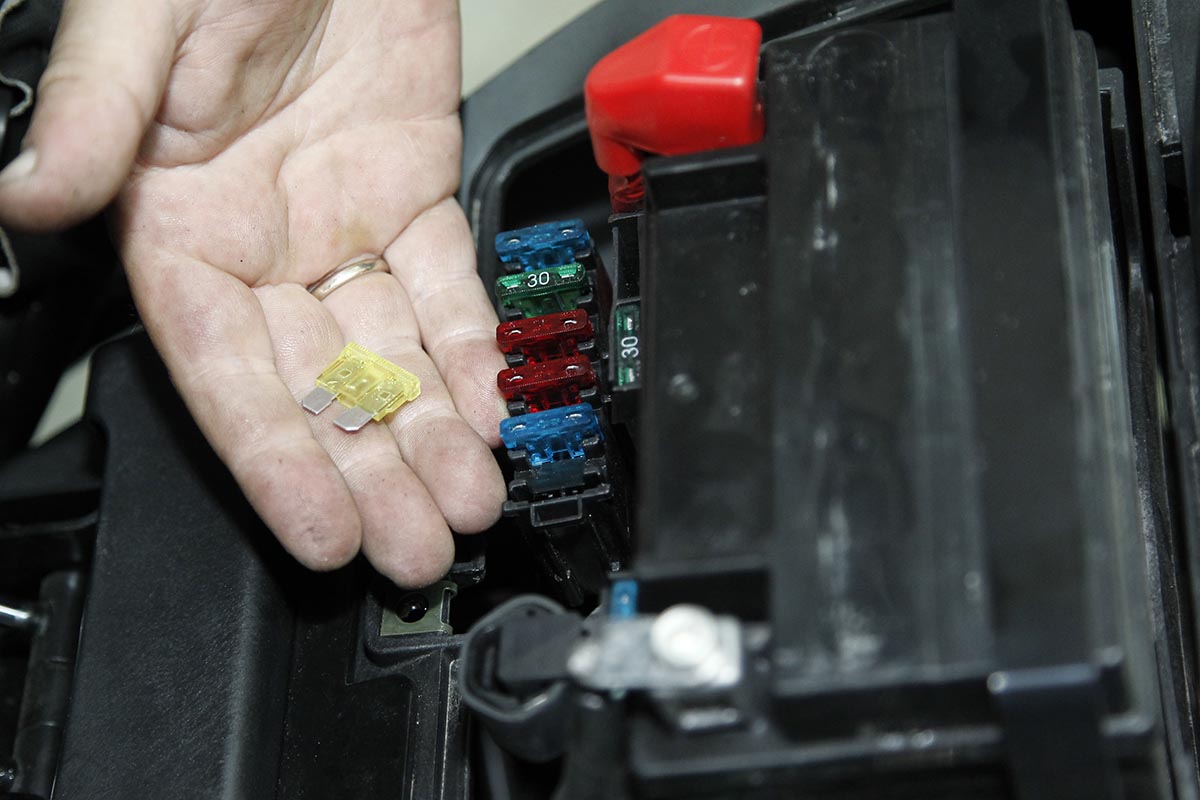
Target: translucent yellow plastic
361	378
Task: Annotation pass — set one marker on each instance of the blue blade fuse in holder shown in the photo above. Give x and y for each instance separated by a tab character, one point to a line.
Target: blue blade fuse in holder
553	435
624	599
550	244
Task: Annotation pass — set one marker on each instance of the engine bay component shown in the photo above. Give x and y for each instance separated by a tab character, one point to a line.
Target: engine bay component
627	344
883	485
548	244
685	648
542	291
548	384
546	337
686	85
368	385
530	715
567	469
553	435
420	611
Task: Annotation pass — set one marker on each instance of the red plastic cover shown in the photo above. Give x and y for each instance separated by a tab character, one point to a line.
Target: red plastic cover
686	85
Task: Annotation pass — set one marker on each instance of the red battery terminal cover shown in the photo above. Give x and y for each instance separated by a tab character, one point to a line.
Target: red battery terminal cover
546	337
688	84
548	384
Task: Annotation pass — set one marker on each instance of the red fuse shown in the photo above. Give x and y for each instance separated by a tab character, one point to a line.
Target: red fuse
546	337
548	384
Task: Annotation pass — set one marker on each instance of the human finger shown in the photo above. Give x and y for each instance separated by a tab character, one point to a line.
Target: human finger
393	504
452	461
101	89
213	336
434	261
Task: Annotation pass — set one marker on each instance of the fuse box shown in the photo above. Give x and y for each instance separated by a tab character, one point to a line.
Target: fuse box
566	469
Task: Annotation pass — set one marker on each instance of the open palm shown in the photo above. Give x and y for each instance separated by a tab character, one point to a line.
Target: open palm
255	145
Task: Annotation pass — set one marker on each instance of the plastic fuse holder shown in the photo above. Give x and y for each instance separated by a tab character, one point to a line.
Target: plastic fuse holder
542	291
688	84
547	384
370	386
550	244
554	435
546	337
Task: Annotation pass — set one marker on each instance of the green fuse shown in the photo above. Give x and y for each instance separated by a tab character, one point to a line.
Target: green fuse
543	291
627	343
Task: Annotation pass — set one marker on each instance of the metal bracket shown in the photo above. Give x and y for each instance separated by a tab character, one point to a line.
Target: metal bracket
419	611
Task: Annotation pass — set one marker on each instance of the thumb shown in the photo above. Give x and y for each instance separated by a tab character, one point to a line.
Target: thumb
102	87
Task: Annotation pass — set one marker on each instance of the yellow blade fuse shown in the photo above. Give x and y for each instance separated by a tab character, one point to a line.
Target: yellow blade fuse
370	386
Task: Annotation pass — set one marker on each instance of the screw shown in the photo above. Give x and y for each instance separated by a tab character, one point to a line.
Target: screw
412	607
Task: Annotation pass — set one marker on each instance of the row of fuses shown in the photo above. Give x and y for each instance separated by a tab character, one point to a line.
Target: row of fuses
551	385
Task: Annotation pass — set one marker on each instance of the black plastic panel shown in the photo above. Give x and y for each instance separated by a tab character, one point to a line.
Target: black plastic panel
184	659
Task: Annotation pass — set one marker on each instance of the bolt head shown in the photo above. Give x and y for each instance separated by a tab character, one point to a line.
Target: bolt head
684	636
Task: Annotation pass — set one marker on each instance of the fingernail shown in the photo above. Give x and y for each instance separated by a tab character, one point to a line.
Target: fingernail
21	167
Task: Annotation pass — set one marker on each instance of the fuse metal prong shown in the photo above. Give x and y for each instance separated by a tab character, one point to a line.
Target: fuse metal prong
352	420
317	400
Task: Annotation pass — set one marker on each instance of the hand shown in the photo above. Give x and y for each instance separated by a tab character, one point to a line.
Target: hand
253	145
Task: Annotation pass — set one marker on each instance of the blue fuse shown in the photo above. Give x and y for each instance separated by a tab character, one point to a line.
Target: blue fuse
623	602
550	244
553	435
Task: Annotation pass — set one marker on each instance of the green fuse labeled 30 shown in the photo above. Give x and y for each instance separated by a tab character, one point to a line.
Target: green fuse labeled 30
627	344
543	291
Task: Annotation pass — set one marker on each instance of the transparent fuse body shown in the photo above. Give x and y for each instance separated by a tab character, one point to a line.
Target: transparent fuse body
543	291
368	385
549	244
553	435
